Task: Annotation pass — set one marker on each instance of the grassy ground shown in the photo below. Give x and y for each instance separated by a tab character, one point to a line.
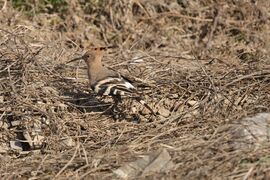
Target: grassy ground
207	63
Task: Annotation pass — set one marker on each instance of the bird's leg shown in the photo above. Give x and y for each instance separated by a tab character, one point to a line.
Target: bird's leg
115	109
134	113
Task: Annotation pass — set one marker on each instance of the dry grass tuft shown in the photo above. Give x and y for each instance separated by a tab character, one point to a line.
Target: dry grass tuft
207	63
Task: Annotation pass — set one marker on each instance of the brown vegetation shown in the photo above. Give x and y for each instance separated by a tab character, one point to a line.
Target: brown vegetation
206	62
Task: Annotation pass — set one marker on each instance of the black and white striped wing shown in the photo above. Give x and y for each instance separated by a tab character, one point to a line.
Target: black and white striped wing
114	86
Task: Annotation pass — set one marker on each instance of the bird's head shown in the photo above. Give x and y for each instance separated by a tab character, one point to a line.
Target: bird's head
93	54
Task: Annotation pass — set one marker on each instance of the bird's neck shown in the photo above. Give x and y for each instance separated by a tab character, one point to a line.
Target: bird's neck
94	70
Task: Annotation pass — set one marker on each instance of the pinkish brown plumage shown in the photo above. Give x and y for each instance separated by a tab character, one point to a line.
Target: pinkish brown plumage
106	82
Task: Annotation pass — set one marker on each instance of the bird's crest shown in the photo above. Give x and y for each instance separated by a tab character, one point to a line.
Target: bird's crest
96	51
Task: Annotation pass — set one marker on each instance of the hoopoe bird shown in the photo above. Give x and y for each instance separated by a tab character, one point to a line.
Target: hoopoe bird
106	82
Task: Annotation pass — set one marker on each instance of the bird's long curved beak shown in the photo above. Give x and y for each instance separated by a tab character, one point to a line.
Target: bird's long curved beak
75	59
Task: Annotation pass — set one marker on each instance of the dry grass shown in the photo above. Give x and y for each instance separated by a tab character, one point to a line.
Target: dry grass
215	55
